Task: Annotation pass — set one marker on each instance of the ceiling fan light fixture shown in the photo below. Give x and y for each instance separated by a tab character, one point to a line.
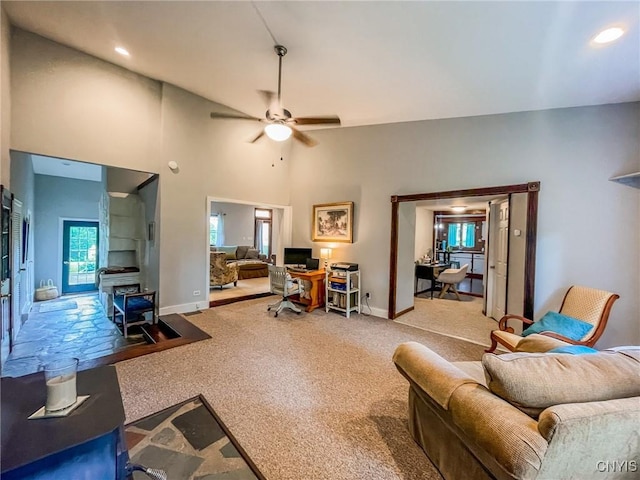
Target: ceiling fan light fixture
278	132
609	35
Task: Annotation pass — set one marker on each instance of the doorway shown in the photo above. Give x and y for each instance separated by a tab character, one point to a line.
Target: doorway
262	228
401	261
79	256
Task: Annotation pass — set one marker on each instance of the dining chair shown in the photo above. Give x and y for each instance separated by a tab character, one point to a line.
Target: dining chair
450	278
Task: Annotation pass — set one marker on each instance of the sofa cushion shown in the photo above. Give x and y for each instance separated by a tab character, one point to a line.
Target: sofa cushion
564	325
535	381
574	350
252	254
241	251
230	251
537	343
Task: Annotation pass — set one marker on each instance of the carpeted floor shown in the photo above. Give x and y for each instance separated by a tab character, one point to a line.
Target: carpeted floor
310	396
457	319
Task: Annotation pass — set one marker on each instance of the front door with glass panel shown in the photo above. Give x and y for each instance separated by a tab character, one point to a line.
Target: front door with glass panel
79	256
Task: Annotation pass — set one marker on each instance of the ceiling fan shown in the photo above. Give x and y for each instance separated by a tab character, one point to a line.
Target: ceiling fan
280	123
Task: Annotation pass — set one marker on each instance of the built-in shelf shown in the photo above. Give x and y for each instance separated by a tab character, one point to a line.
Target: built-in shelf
631	179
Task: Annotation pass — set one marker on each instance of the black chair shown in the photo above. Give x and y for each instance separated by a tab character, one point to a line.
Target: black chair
131	305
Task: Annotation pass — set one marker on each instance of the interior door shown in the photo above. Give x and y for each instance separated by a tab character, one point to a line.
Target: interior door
79	256
501	257
5	275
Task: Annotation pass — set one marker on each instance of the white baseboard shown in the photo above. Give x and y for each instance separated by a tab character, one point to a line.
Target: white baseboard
184	308
375	312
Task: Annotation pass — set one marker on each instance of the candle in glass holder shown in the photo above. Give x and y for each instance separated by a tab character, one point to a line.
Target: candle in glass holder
60	379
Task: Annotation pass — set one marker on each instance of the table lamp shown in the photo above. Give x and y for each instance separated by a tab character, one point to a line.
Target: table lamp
325	253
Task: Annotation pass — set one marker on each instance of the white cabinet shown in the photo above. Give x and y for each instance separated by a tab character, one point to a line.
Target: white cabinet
474	260
342	291
478	264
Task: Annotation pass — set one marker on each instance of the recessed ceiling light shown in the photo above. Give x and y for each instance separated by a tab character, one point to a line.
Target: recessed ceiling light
608	35
122	51
459	208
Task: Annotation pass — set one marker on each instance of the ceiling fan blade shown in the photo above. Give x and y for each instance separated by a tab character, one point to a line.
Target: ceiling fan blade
233	116
329	120
257	137
304	138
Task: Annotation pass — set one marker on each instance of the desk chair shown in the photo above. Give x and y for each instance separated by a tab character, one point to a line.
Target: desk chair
450	278
587	304
281	284
131	306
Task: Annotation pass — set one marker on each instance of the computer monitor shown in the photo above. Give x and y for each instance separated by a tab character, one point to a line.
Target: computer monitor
312	264
297	256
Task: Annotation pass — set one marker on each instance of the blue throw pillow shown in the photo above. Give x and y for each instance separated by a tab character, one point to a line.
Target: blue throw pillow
561	324
574	350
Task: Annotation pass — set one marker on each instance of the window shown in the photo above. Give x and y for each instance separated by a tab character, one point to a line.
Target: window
462	235
213	229
262	233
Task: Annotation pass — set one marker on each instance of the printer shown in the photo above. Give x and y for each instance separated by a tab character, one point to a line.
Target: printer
350	267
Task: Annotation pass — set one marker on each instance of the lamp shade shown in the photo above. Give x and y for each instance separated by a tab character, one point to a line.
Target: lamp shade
325	253
277	131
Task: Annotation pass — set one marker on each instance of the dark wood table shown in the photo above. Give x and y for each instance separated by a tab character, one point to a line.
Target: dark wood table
87	440
428	272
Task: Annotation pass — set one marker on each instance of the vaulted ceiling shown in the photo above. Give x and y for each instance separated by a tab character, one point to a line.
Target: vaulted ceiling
368	62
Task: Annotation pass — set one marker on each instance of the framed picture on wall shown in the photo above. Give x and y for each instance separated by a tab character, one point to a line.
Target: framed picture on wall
333	222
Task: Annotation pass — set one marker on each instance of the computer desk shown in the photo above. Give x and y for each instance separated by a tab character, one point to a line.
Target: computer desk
316	292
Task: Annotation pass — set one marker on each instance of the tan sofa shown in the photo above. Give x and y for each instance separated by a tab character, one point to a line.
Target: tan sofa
526	415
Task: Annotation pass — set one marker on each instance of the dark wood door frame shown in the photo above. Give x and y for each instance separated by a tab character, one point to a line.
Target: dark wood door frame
531	189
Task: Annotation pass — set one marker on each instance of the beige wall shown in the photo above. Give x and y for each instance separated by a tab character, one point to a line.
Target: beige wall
573	152
71	105
5	97
68	104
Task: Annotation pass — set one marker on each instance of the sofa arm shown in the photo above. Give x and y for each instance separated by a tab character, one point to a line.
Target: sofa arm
432	373
499	431
586	439
262	257
614	414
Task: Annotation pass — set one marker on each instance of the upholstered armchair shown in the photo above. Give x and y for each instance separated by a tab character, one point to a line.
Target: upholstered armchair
220	272
585	304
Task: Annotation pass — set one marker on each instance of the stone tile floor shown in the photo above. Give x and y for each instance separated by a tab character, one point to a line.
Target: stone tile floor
69	326
187	443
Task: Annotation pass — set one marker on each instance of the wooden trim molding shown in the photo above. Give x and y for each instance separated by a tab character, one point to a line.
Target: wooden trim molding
532	190
393	260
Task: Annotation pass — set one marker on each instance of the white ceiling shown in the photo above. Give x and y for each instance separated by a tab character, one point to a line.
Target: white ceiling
368	62
60	167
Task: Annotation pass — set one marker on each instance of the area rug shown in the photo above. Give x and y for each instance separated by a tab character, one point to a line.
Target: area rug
189	442
57	306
